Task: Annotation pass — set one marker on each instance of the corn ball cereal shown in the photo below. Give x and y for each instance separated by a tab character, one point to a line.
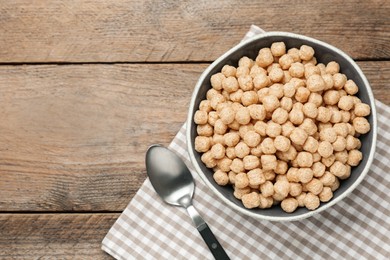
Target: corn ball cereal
281	129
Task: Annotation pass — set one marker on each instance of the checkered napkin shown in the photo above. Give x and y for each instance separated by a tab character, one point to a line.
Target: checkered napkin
358	227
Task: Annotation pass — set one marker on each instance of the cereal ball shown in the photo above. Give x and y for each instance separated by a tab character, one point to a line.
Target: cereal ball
339	80
331	97
227	115
314	186
286	103
224	164
305	159
200	117
220	127
202	144
268	162
251	200
296	116
310	110
230	84
261	81
340	170
362	109
267	146
205	130
292	175
354	157
294	53
328	134
298	136
269	175
326	194
325	149
242	71
228	71
256	70
336	116
332	68
221	178
315	83
346	103
216	100
234	126
276	74
309	126
205	105
232	177
216	80
300	199
295	189
278	49
249	97
328	79
276	90
340	144
287	129
265	57
256	151
260	128
280	116
241	150
302	94
306	52
282	188
291	154
237	165
267	189
218	151
282	143
328	161
256	177
273	129
230	153
311	201
350	87
270	103
305	175
296	69
239	192
310	145
341	156
251	162
289	90
312	61
335	185
211	93
316	99
251	138
324	114
361	125
265	202
318	169
243	116
322	68
257	112
327	179
285	61
217	138
245	62
245	82
221	106
345	116
281	168
208	159
241	180
231	139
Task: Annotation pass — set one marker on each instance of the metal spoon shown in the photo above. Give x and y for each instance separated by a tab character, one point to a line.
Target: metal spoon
173	181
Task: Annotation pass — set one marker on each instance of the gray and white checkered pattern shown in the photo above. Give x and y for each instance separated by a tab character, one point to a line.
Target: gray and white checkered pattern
358	227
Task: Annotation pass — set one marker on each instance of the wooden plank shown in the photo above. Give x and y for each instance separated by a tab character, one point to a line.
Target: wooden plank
73	138
162	30
54	236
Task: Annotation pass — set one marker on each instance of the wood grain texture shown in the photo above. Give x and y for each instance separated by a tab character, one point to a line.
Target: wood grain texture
54	236
73	138
163	30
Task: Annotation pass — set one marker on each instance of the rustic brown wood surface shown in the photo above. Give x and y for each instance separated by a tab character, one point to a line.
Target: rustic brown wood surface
75	123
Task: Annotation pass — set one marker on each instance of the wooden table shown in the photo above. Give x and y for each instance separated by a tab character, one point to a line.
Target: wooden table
87	86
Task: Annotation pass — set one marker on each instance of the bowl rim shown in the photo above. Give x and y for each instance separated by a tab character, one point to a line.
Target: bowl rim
326	205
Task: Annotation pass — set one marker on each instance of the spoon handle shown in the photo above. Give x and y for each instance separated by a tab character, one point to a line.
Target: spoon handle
207	235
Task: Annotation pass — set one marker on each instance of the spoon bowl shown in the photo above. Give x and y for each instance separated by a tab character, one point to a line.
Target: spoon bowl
174	183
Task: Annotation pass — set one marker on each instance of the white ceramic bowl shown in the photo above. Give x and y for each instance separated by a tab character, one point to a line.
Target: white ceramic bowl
324	53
